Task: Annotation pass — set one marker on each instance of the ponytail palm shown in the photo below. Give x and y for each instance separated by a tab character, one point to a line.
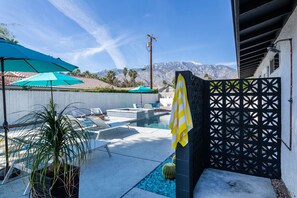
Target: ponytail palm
53	144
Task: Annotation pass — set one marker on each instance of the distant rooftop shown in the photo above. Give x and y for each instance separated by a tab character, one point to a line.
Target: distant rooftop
89	83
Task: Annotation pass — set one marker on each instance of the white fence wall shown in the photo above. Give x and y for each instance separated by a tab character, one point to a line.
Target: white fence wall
21	102
166	102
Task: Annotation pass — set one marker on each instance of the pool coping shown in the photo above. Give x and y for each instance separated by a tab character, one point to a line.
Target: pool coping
157	115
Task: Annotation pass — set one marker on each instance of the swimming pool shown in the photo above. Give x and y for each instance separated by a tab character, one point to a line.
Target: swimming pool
159	122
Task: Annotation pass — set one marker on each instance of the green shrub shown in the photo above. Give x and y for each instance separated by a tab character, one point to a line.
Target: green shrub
107	90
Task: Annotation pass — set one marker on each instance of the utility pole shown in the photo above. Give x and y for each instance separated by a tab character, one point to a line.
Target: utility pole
150	45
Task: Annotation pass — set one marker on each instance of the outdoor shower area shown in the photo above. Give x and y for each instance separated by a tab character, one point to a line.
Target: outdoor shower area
237	127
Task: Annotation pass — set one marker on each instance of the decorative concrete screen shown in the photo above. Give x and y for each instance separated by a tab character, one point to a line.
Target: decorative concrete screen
245	126
192	159
237	127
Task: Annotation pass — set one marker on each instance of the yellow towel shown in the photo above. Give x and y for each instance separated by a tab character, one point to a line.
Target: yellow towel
181	118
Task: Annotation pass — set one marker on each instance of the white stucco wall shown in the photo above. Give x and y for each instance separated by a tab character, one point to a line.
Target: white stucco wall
166	102
288	158
19	102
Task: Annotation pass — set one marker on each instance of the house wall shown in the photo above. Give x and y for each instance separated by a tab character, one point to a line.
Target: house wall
19	103
166	102
288	158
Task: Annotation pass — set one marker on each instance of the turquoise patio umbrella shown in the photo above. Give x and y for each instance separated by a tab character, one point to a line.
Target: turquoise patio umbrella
141	89
15	57
49	79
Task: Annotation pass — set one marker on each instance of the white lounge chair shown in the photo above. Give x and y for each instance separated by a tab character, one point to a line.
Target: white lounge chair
98	112
78	114
96	125
12	151
136	106
102	126
94	144
148	106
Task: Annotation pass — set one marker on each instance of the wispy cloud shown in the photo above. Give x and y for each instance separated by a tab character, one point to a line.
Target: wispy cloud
87	52
99	32
47	39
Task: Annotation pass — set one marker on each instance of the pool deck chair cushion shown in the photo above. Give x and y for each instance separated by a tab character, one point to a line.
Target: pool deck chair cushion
105	127
96	111
137	106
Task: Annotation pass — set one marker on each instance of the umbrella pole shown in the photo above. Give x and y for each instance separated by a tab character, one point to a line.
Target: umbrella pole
141	100
5	123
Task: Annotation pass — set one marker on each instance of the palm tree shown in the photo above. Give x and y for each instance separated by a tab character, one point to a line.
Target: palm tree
111	77
93	76
133	75
130	73
78	72
75	72
125	72
6	34
86	74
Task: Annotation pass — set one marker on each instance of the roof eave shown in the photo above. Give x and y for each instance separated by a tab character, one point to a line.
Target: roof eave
236	31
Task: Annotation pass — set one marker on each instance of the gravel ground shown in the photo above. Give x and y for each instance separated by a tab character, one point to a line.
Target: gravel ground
280	188
156	183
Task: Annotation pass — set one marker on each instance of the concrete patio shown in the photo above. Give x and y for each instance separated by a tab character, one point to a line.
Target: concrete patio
215	183
135	153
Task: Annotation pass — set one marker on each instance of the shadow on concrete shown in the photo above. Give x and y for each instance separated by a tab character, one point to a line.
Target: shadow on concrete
119	133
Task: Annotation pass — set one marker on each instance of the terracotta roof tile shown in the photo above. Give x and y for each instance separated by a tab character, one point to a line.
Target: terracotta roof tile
89	83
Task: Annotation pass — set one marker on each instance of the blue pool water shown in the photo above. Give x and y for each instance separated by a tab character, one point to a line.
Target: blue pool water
160	122
156	183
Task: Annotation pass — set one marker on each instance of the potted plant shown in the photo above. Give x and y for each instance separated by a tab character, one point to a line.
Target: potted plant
55	147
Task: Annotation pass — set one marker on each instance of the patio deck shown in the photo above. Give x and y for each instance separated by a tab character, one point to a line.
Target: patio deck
135	154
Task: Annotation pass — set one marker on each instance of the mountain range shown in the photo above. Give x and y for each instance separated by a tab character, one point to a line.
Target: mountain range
166	71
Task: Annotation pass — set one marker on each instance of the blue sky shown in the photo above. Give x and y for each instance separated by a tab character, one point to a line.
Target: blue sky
97	34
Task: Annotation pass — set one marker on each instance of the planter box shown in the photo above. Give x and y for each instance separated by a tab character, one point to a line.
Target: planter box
59	190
